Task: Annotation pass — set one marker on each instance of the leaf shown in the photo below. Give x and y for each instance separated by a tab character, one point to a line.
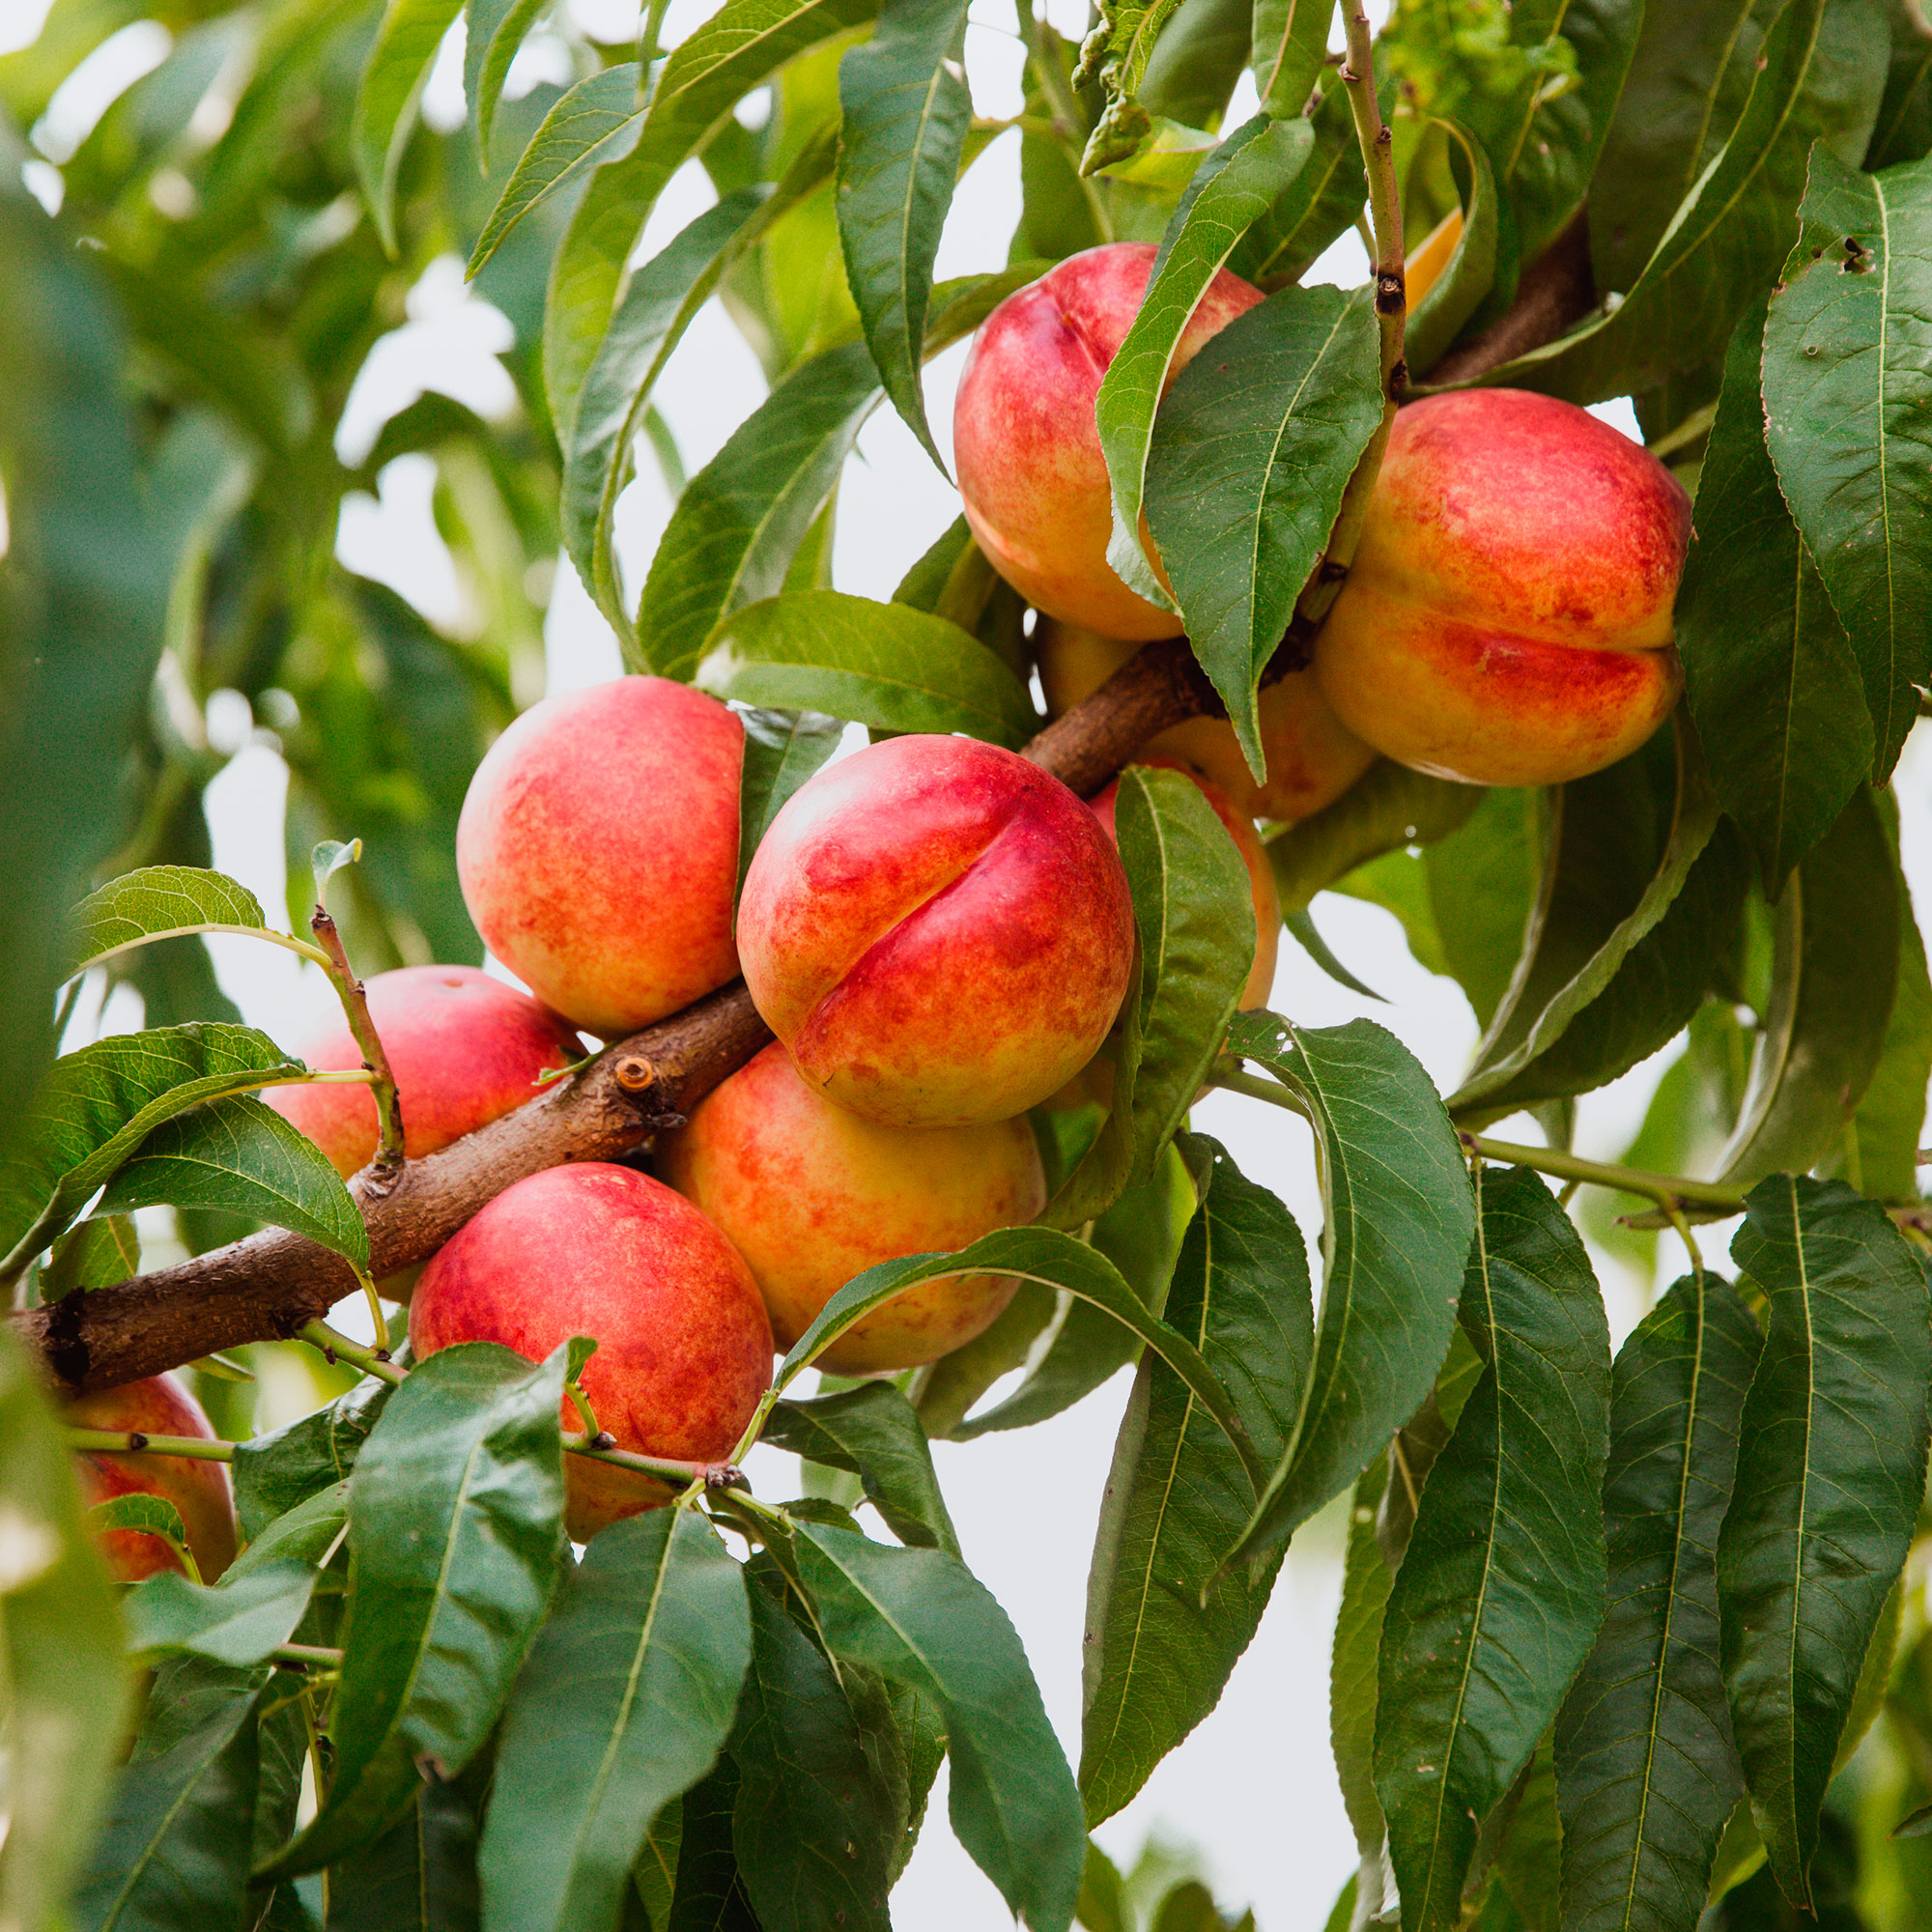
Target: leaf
1647	1773
96	1106
782	749
1309	938
1388	807
625	1703
1195	924
1032	1254
1156	1657
1903	131
1400	1219
239	1623
1250	454
1847	392
882	665
60	1649
919	1617
1769	672
1836	936
174	1847
710	1895
275	1473
1459	289
1831	1467
307	1534
1230	190
454	1535
419	1876
238	1154
95	1253
1500	1593
1290	44
137	1510
495	31
386	100
157	902
872	1432
906	107
328	857
1351	1677
1882	1137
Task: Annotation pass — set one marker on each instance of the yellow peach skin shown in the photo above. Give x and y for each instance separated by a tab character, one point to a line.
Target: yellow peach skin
811	1196
1507	616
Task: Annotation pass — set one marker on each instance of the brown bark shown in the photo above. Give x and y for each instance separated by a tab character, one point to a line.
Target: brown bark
1557	291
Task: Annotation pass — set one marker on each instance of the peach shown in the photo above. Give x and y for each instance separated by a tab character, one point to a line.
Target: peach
684	1348
1508	617
811	1196
463	1048
200	1490
1254	856
938	932
598	850
1312	757
1024	440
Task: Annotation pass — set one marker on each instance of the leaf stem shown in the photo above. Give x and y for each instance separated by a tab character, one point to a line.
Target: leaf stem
137	1442
337	1345
1670	1191
1226	1074
307	1654
382	1172
592	1428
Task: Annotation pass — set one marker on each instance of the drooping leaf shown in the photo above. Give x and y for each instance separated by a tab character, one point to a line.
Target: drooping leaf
157	902
1502	1590
1647	1767
1847	393
1459	289
906	107
1230	189
419	1876
455	1534
239	1623
275	1473
945	1393
495	31
385	101
1830	1466
883	665
1770	675
1156	1658
1351	1678
872	1432
1290	44
782	749
1399	1218
305	1535
1389	807
237	1155
145	1514
1250	454
624	1704
918	1616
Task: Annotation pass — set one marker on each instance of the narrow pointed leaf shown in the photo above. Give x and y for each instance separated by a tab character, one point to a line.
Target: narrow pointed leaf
1400	1219
495	30
1831	1467
275	1473
419	1876
386	100
919	1617
1156	1658
874	1433
1461	287
1351	1677
157	902
625	1704
238	1622
1647	1767
1251	452
782	749
1882	1139
1322	200
1388	807
1290	44
1502	1590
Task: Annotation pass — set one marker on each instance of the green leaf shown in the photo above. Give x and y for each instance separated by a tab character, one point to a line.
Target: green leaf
882	665
710	1895
137	1510
1322	200
386	100
918	1616
1883	1138
1251	452
1770	675
1290	44
1834	962
1847	392
305	1534
1459	289
906	107
1309	938
1830	1466
1502	1590
1647	1773
495	31
1400	1219
1903	131
1155	1656
1032	1254
454	1535
60	1649
597	121
95	1253
1195	922
96	1106
1230	190
237	1155
1389	807
239	1623
174	1847
275	1473
157	902
946	1391
625	1703
782	749
872	1432
419	1876
1351	1676
327	859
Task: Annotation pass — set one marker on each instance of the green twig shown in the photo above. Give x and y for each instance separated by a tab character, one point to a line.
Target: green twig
308	1654
1670	1191
349	991
337	1347
138	1443
700	1478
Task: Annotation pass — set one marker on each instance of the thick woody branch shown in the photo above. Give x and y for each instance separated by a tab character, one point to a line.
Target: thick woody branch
1557	292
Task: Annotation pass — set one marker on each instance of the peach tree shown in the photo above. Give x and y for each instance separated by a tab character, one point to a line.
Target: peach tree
1610	732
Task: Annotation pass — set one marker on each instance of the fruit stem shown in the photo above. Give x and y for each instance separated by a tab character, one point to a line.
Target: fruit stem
580	1401
137	1442
382	1172
337	1345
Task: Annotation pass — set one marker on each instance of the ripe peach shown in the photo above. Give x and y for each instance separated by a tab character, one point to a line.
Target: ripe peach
1254	856
598	850
811	1196
1024	440
684	1348
1507	620
1312	757
463	1048
938	932
199	1490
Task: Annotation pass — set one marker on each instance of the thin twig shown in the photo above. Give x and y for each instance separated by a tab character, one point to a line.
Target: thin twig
138	1443
1670	1191
337	1347
380	1176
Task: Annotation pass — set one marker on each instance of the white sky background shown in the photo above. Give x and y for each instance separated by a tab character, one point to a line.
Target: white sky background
1254	1788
